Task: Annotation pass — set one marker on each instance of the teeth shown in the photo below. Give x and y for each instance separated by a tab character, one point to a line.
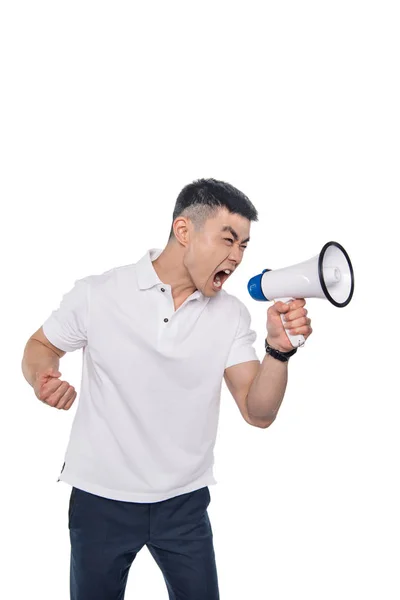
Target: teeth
227	271
217	281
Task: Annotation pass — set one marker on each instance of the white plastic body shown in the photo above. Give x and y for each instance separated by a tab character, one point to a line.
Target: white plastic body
303	281
298	340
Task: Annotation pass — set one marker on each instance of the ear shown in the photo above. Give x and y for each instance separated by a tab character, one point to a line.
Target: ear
181	228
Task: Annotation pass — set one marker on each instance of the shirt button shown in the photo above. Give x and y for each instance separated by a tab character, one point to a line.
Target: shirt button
162	289
165	320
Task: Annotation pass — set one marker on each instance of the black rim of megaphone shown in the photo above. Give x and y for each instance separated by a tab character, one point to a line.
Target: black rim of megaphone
321	277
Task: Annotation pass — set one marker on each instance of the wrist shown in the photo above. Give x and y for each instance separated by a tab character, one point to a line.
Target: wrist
275	346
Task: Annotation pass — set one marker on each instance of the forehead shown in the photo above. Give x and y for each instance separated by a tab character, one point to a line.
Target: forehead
224	219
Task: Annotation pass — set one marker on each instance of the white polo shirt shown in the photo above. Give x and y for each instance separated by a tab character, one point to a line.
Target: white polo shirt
146	421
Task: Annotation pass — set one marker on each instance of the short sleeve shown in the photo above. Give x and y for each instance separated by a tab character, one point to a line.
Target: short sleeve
242	349
66	327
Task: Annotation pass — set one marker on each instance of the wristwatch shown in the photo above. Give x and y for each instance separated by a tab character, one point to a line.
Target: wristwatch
283	356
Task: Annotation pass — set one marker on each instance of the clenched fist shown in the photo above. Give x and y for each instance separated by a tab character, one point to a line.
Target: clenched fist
50	390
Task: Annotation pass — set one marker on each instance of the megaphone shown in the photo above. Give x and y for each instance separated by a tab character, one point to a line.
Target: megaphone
328	275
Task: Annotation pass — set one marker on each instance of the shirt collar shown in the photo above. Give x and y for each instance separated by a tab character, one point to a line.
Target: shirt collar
148	278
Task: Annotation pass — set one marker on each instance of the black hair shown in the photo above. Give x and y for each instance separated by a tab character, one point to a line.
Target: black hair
201	199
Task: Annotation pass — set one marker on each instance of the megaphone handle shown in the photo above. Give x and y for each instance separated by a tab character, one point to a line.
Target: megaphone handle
296	340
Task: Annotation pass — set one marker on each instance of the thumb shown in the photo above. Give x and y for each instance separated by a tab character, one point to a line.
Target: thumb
282	307
51	372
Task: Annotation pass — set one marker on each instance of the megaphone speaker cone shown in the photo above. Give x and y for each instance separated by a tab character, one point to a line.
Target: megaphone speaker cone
336	274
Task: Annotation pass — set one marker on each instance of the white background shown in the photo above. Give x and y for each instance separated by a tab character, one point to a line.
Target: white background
107	110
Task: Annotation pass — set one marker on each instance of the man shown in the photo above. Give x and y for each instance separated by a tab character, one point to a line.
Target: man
158	337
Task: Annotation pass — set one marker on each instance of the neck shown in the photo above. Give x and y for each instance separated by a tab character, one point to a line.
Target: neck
171	270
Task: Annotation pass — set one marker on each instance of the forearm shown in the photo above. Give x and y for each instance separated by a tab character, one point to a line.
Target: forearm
268	389
37	358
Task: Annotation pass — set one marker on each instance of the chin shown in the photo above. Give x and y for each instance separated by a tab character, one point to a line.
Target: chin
207	293
211	292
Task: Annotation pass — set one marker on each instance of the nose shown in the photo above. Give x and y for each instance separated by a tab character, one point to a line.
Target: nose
235	255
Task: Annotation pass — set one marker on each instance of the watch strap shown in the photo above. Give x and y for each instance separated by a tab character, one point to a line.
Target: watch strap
282	356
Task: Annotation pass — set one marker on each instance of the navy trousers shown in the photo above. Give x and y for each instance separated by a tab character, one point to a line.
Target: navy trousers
107	534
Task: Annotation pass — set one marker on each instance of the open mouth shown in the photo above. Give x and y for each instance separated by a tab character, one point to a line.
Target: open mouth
219	278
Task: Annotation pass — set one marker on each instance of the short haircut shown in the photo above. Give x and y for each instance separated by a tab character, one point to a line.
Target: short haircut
201	200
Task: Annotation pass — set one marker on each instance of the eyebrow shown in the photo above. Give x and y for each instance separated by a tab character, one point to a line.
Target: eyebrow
233	232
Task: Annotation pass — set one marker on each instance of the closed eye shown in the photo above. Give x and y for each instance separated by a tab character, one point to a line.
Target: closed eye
231	240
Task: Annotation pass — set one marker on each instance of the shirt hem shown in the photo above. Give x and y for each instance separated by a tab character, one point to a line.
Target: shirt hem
98	490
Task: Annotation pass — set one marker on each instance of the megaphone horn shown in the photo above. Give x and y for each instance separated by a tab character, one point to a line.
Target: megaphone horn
328	275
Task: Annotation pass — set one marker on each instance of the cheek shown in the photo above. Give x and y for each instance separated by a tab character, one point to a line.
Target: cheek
207	262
